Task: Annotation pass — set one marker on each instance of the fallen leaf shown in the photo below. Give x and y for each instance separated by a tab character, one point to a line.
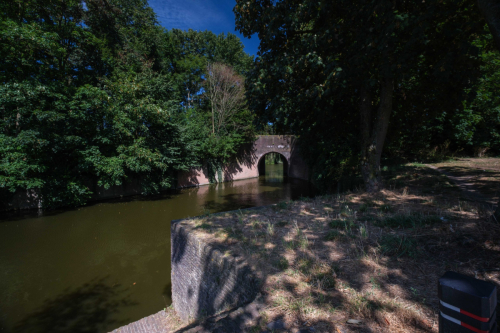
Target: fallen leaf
426	323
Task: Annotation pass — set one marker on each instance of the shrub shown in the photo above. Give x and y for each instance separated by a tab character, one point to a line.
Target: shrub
341	224
333	235
282	205
399	246
282	264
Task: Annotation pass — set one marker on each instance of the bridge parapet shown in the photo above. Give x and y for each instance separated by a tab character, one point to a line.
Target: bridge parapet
266	144
246	163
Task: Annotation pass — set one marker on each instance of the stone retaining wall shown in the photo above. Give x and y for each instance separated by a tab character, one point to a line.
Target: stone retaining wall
206	280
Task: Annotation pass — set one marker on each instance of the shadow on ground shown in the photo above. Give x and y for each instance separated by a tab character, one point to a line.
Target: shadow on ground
323	261
87	309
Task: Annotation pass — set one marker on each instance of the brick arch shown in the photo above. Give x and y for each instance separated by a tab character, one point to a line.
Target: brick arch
261	162
287	146
246	164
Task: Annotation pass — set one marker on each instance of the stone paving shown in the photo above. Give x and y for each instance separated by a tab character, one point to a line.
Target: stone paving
156	323
232	321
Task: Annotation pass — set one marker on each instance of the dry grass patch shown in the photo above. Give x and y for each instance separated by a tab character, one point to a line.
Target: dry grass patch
372	258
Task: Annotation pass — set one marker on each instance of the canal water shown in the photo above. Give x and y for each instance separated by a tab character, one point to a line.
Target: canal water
99	267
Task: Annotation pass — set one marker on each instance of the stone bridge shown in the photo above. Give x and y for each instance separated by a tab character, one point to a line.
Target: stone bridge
249	163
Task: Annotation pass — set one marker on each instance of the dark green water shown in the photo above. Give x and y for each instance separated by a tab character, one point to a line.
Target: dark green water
99	267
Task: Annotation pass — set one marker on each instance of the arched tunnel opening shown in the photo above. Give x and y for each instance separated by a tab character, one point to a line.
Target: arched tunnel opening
273	165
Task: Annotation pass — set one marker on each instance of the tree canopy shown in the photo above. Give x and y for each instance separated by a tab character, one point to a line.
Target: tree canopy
96	92
337	73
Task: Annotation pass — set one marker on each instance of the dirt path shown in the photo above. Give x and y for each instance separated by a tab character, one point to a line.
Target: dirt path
469	190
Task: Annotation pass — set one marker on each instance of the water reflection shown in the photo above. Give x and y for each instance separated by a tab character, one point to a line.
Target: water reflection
274	173
88	308
113	255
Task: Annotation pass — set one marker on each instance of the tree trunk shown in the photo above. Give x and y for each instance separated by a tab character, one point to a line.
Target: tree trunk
373	133
213	121
365	110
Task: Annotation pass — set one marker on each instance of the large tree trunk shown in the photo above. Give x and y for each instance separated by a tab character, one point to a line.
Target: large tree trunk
373	133
490	9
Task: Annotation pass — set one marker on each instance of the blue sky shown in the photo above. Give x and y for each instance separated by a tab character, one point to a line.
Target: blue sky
214	15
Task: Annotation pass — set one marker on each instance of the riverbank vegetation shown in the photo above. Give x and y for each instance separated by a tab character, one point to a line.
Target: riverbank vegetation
359	261
97	92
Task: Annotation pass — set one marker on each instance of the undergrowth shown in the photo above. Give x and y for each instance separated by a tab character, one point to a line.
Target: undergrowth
412	220
396	245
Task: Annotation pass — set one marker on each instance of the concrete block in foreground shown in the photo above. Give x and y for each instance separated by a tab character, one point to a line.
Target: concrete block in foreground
205	280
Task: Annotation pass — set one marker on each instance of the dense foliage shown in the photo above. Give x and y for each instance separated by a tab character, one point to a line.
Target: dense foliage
192	53
351	78
466	122
479	125
225	94
96	92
